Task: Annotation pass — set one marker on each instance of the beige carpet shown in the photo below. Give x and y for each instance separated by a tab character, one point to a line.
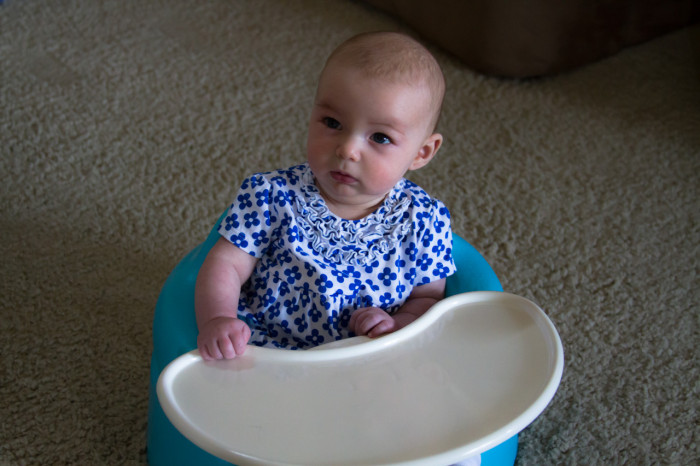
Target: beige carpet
126	126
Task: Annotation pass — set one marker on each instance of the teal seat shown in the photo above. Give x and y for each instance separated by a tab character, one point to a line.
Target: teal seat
175	333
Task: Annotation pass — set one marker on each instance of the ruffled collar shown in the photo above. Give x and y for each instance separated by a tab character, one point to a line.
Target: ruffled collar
354	242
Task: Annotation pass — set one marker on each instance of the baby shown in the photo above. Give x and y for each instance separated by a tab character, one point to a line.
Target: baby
342	245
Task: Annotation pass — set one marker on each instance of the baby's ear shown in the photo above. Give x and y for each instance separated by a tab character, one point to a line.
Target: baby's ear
427	151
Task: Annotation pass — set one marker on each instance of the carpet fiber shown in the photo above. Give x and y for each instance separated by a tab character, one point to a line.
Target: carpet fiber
126	127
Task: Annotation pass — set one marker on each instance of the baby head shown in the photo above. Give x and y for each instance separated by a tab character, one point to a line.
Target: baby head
376	108
395	58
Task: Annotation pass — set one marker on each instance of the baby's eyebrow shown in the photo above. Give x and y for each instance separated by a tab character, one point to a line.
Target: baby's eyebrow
394	125
323	105
389	124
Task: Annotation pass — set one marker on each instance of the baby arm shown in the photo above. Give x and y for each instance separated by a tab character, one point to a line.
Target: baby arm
221	333
374	322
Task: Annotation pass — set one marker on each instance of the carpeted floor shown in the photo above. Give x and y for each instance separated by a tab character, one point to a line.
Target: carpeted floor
125	128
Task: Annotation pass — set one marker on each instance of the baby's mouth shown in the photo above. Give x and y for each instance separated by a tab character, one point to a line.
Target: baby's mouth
342	177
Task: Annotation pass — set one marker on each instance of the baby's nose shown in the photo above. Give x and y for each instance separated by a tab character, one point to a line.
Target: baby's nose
348	149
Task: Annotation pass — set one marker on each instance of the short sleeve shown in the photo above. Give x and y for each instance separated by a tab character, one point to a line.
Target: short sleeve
434	259
252	218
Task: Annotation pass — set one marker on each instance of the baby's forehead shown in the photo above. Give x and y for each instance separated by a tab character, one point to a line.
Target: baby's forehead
381	74
410	78
394	64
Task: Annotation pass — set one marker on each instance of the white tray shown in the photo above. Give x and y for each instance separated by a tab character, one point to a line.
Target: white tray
475	370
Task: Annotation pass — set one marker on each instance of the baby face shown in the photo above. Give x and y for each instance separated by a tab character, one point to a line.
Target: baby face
364	135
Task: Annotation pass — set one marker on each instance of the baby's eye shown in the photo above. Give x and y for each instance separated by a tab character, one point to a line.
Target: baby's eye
380	138
332	123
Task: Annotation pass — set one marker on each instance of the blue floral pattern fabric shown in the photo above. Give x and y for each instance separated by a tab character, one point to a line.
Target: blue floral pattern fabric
314	268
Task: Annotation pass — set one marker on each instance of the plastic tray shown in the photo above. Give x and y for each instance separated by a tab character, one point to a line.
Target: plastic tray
472	372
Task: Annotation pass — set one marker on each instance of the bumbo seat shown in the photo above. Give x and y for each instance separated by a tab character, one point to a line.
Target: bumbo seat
175	333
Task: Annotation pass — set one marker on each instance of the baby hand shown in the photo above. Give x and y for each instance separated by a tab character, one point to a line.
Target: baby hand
371	321
223	338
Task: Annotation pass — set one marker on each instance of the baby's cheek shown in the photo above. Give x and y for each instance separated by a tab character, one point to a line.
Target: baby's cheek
383	177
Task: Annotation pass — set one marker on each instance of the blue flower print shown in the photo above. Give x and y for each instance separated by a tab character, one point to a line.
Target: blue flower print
331	325
400	290
279	181
283	289
369	284
282	344
426	201
293	234
257	180
323	283
286	220
259	283
447	257
411	251
232	222
355	286
315	314
438	225
282	198
275	343
370	268
365	301
400	263
276	279
244	201
292	274
438	247
301	323
260	316
260	237
386	299
440	270
285	327
285	257
274	311
263	267
292	177
444	211
410	276
424	262
345	315
267	299
310	270
239	240
386	276
315	338
304	294
291	306
263	197
348	273
251	219
427	239
338	275
421	216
